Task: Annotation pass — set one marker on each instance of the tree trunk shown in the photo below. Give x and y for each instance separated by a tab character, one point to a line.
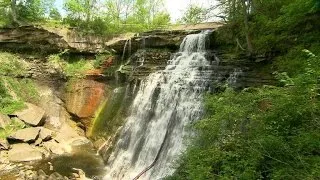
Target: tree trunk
246	26
14	12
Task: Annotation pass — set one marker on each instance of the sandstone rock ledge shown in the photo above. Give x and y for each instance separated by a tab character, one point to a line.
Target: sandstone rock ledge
53	40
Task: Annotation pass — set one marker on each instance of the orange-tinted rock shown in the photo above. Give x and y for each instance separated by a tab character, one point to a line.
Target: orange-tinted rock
83	98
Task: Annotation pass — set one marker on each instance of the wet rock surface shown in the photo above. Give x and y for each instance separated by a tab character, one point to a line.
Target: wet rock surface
83	98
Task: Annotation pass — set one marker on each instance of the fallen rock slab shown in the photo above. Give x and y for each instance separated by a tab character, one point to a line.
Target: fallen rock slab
4	145
23	152
38	141
65	134
4	121
79	141
32	115
54	147
45	134
25	135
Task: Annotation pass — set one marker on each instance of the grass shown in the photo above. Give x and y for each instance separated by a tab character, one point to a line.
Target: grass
25	89
14	90
12	65
72	67
7	103
14	126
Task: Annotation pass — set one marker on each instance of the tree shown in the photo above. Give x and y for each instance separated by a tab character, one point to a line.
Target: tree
246	10
238	12
80	10
135	15
14	11
32	10
4	17
8	12
54	14
160	20
194	15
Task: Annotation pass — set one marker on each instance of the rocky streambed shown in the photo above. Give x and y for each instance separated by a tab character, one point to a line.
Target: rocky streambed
37	151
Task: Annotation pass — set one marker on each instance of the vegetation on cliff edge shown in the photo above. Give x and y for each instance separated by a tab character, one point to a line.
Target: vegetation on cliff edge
268	132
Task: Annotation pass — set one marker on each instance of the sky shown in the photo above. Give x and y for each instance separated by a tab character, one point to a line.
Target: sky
176	8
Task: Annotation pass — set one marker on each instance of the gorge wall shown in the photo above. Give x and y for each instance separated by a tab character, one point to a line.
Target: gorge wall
96	104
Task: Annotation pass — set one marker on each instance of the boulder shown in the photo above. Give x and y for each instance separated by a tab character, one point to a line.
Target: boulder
18	122
25	135
54	147
24	152
38	141
56	176
4	120
42	175
32	115
45	134
65	134
4	145
79	141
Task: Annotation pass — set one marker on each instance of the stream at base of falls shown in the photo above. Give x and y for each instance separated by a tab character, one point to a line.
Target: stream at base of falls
166	103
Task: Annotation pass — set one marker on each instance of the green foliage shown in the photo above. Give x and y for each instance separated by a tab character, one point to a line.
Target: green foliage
100	59
110	116
160	20
4	18
7	104
194	15
72	67
24	89
12	65
120	16
11	128
274	26
54	14
31	10
291	62
80	11
116	16
14	90
260	133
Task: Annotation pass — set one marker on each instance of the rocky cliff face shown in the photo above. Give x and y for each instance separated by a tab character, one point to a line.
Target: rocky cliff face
52	40
135	57
83	97
100	99
48	40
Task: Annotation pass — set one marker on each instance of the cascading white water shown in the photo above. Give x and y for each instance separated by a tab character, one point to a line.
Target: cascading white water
232	80
166	103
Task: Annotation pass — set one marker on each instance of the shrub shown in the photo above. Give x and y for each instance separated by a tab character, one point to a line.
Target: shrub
72	67
7	104
264	133
12	65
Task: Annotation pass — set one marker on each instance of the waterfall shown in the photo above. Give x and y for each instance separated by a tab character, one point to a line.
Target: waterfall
127	43
167	101
142	59
232	80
